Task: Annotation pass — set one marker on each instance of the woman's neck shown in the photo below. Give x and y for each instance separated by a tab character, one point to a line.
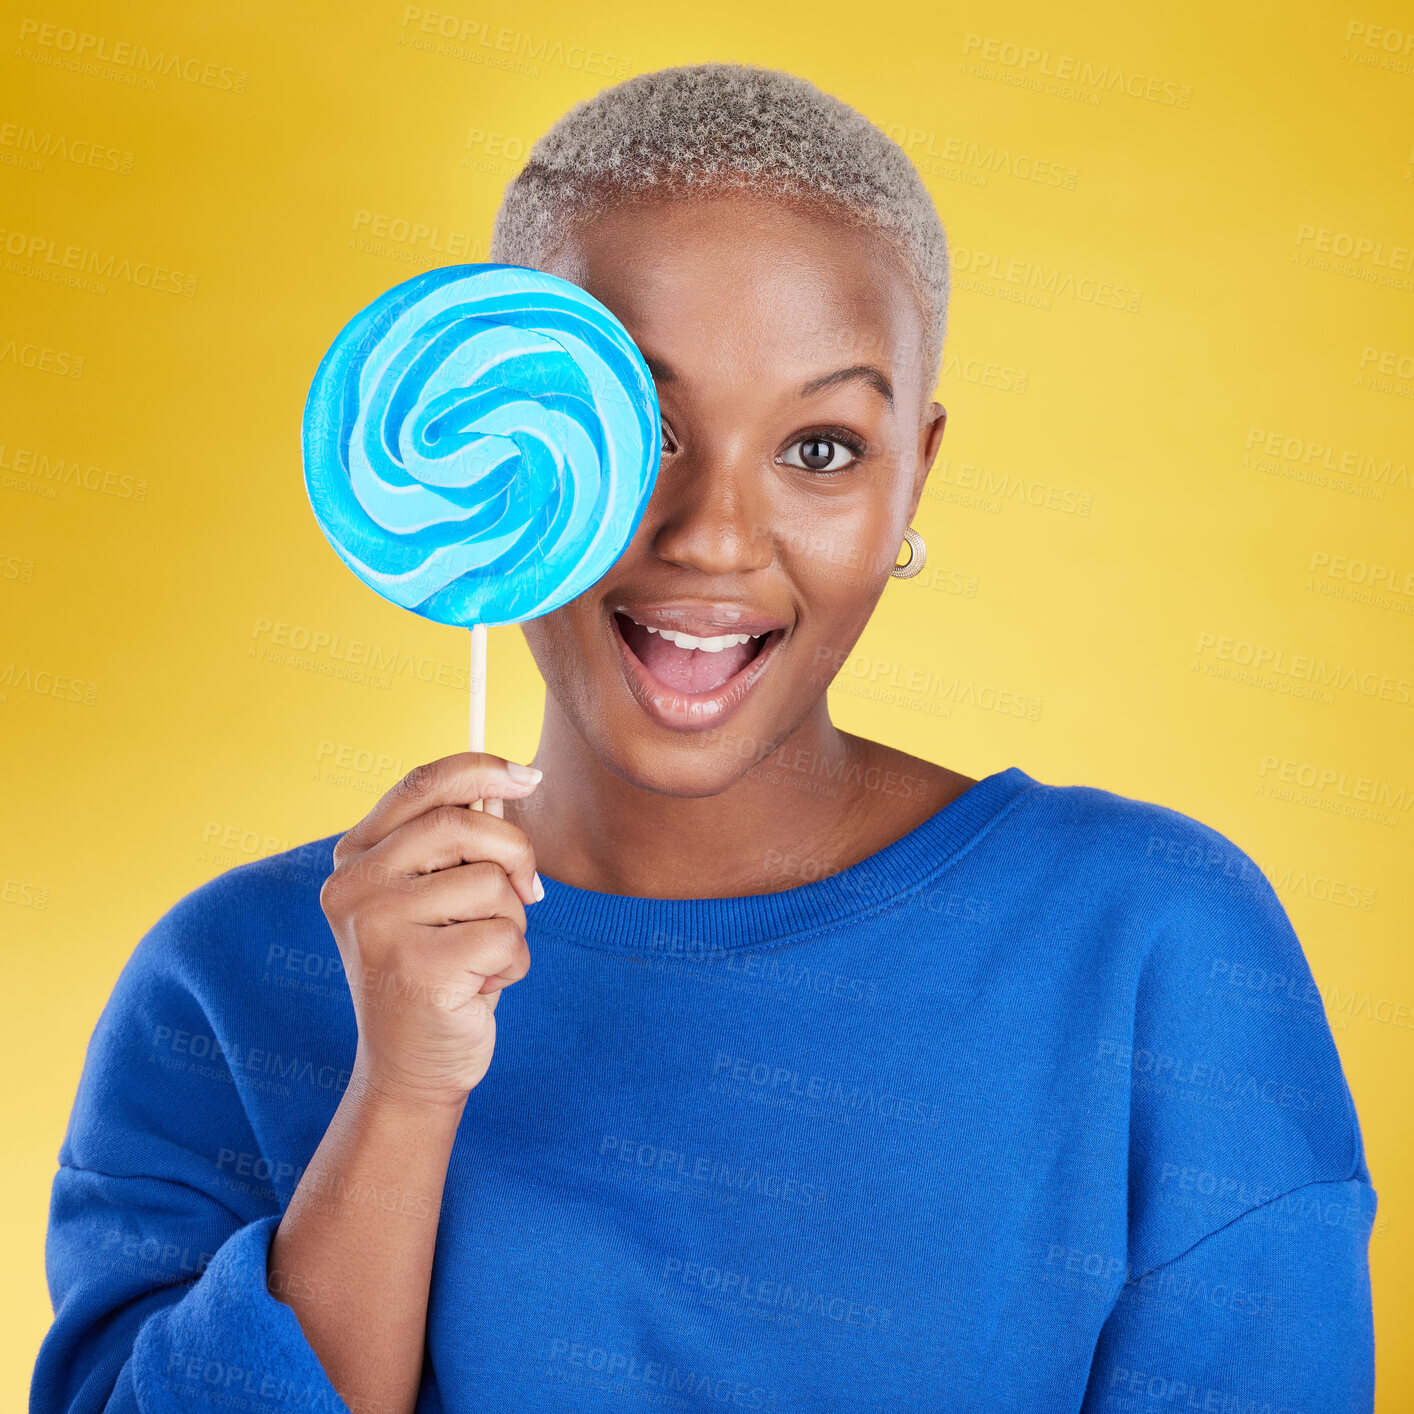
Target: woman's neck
822	802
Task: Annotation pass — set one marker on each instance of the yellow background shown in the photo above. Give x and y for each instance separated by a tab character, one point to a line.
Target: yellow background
1111	525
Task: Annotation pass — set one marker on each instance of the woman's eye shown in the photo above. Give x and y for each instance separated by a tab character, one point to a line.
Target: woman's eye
819	454
669	441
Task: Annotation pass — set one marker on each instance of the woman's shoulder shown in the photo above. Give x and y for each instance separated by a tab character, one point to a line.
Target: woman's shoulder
234	1002
1115	838
1197	918
1173	861
1237	1094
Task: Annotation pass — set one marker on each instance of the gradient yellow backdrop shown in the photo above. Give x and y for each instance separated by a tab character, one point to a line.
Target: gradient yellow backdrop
1172	513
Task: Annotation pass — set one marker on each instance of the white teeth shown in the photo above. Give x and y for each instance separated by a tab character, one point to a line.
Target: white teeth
704	645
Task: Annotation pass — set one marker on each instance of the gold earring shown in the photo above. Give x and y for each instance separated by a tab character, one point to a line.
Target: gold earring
917	555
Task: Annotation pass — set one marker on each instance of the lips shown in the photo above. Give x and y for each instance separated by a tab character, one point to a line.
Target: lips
687	668
699	682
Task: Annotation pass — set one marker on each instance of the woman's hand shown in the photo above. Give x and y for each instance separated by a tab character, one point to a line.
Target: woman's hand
427	904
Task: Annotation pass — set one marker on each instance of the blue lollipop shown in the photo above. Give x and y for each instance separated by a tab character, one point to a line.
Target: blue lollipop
480	445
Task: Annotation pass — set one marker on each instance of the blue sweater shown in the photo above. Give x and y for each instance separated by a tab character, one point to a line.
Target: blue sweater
1035	1109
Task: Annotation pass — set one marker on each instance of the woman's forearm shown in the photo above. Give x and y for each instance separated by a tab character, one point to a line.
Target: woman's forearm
429	894
353	1252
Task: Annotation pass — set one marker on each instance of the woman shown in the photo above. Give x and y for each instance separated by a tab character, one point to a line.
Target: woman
841	1080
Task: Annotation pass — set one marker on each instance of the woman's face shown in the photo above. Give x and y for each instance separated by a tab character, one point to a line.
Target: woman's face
787	349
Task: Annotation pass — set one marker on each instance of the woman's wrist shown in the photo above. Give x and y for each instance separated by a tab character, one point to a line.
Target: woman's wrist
393	1103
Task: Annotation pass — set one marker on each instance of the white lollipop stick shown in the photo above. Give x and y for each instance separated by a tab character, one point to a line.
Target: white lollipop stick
477	724
476	734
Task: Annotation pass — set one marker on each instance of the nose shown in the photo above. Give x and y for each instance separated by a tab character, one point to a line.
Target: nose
712	514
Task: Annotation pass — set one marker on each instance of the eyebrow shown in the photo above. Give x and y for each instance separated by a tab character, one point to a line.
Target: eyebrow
864	372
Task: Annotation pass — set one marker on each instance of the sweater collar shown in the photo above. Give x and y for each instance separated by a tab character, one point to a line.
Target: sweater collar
694	926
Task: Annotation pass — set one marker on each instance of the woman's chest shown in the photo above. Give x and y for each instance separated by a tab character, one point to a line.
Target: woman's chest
820	1213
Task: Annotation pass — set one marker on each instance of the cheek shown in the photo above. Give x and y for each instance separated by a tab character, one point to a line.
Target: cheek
567	646
550	644
841	563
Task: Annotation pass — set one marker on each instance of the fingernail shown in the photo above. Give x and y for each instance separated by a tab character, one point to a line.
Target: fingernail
524	775
537	888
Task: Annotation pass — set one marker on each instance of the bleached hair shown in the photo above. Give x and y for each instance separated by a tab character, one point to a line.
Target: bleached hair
702	127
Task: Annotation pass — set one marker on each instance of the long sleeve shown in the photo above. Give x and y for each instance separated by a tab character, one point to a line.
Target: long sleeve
1271	1313
1246	1280
158	1233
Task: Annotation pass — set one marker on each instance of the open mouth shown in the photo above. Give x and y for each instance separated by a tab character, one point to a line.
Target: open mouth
688	680
686	663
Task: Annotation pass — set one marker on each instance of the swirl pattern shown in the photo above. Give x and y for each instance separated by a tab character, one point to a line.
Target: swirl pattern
480	443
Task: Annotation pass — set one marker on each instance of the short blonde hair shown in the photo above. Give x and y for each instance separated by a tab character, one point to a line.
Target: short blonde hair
707	126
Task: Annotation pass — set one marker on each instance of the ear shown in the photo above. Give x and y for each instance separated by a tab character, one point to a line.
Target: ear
930	438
